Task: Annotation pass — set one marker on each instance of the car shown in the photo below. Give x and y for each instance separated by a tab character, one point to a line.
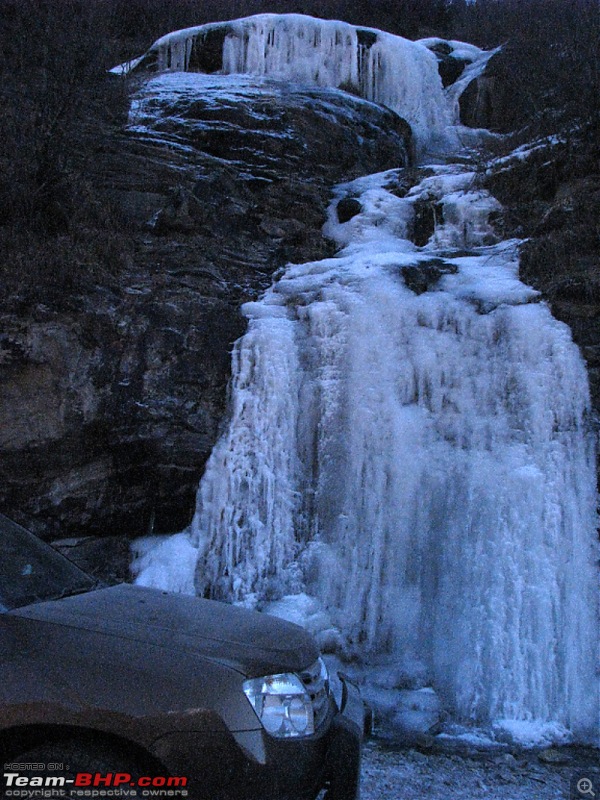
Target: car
125	691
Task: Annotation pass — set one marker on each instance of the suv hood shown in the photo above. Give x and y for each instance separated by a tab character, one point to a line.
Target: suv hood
252	643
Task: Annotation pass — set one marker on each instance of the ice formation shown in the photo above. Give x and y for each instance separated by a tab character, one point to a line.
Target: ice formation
378	66
408	466
418	463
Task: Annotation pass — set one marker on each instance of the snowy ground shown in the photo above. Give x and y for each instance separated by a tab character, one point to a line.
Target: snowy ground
393	773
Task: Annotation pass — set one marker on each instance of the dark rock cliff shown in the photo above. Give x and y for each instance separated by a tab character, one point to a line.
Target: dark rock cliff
111	399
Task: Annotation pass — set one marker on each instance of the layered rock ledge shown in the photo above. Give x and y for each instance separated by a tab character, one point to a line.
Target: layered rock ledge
112	399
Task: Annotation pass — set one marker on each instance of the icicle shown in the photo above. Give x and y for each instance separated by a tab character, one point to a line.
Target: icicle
379	66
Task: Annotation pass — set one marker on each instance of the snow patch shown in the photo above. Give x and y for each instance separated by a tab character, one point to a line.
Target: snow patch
165	562
309	613
531	733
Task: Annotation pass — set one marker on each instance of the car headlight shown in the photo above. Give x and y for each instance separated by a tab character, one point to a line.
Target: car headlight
281	704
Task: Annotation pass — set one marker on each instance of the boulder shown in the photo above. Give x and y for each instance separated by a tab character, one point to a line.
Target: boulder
423	276
347	209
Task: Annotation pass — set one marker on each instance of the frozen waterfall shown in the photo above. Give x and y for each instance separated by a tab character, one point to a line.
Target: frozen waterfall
408	460
378	66
417	463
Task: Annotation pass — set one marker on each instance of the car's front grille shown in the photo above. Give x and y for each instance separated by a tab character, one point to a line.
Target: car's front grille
317	688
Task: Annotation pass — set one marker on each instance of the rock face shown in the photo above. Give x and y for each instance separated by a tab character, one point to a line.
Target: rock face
111	400
478	103
450	67
551	198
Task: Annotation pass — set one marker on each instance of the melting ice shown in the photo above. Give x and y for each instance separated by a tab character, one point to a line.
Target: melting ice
407	467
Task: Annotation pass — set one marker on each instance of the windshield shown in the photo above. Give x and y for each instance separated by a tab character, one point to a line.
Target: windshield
31	571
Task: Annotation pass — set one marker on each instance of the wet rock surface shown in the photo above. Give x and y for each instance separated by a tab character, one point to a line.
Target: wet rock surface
111	399
478	103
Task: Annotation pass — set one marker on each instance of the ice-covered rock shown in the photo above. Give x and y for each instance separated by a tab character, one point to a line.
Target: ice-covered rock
383	68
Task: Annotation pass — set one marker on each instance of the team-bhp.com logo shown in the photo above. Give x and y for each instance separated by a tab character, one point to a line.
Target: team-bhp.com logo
92	784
